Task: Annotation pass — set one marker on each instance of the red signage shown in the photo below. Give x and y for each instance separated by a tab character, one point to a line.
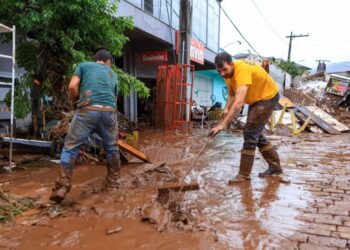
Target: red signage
196	49
154	56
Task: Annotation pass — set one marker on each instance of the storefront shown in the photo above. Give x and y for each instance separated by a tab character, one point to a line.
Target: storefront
153	42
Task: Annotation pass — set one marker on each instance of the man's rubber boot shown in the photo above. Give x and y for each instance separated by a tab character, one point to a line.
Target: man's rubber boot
62	186
271	156
245	168
113	174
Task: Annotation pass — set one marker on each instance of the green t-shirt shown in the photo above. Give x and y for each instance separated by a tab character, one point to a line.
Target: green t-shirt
98	84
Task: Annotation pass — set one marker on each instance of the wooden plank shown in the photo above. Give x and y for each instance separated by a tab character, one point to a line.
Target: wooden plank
328	118
301	117
312	127
284	101
320	122
89	157
137	153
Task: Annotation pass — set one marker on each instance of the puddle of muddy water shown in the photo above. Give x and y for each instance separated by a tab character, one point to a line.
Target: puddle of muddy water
252	215
249	215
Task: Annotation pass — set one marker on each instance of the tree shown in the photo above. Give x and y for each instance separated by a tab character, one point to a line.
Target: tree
291	68
53	36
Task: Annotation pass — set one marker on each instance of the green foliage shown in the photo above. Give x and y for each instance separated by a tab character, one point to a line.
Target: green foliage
26	55
126	82
21	97
54	35
291	68
11	206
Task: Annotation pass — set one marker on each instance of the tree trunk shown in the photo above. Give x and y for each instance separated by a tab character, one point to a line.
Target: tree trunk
36	114
38	80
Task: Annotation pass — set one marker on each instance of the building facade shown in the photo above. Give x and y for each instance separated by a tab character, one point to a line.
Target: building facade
155	33
153	42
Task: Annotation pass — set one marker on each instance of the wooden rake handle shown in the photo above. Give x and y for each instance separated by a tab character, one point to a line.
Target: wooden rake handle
191	166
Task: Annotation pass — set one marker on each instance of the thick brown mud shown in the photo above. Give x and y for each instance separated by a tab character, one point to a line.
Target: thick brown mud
260	214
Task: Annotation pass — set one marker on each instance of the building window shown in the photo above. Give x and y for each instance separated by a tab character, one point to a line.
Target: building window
205	23
213	26
148	6
165	11
199	20
205	17
137	3
175	23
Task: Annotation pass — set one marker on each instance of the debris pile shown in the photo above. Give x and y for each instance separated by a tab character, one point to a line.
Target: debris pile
328	93
10	206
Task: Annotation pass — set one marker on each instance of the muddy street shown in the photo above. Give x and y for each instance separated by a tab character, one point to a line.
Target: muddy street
307	208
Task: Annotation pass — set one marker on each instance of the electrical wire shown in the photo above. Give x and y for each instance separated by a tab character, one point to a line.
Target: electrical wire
267	22
240	33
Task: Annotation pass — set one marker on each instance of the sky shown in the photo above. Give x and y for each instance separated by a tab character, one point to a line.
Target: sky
266	23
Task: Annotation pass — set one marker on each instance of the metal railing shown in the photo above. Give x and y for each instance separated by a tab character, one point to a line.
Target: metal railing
6	29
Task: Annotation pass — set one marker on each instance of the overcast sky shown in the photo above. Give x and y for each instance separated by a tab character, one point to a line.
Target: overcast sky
266	23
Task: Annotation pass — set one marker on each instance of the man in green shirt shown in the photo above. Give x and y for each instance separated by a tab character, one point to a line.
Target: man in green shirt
93	90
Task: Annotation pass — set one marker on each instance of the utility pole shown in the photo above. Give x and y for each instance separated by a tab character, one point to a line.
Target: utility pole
184	55
185	32
321	65
291	37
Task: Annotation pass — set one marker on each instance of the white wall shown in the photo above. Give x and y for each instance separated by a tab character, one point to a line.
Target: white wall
280	76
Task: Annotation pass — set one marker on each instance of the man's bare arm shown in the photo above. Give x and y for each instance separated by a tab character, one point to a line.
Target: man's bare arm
229	102
237	105
73	89
233	110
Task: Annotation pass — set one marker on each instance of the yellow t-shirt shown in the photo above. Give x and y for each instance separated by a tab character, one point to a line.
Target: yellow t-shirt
260	84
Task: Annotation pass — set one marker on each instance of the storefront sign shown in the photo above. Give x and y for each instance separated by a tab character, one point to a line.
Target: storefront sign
154	56
196	49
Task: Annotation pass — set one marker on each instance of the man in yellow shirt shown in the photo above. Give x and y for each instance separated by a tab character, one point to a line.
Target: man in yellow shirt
249	83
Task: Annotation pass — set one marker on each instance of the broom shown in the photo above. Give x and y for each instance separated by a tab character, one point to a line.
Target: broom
172	195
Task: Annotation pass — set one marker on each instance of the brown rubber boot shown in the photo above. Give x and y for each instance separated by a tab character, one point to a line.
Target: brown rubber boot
62	186
113	174
271	156
245	168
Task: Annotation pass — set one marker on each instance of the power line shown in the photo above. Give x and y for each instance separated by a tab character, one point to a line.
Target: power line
238	30
268	23
273	30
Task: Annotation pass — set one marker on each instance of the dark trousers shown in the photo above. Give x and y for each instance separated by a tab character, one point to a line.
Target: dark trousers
258	116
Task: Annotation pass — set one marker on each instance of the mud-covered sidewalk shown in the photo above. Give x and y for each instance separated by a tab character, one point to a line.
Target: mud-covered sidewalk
310	212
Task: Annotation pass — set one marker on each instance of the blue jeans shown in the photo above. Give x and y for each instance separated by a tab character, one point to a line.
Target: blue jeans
86	122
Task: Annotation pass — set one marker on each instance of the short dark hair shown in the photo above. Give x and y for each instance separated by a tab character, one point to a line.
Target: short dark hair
103	55
221	58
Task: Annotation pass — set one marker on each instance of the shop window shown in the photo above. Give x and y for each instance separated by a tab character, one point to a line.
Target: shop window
148	6
175	14
165	11
199	20
137	3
